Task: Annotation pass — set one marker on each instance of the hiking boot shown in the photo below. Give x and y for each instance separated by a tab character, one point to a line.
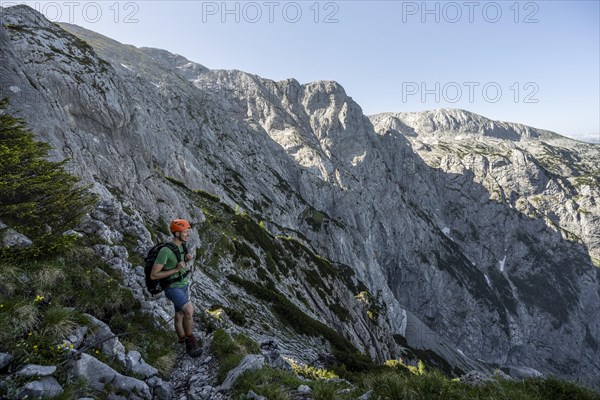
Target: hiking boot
191	346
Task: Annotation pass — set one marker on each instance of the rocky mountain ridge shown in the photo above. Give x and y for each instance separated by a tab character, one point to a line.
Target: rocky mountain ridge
456	245
549	176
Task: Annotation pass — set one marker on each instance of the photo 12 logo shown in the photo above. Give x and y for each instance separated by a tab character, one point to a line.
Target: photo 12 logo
453	12
454	92
270	11
88	11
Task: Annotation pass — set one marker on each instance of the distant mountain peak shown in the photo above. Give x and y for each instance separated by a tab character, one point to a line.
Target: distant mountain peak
452	122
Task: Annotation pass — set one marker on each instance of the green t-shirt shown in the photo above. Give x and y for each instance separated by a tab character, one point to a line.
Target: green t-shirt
167	257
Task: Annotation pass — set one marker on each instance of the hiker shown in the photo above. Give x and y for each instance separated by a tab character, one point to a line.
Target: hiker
175	282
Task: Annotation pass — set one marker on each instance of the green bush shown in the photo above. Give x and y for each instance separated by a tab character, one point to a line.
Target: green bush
230	350
37	197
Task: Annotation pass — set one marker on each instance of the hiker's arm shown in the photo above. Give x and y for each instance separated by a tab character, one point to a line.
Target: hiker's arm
158	272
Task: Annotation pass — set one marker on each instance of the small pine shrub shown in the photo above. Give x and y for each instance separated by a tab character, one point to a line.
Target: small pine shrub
37	197
246	344
222	343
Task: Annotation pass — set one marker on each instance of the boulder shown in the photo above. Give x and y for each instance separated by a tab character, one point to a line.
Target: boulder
161	390
12	238
103	338
304	390
273	358
518	372
45	388
135	364
36	370
99	375
253	396
5	360
475	378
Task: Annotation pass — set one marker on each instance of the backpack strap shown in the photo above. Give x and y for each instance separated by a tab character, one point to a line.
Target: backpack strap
175	250
185	250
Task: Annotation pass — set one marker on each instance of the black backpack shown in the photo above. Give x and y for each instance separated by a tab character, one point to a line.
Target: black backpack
157	286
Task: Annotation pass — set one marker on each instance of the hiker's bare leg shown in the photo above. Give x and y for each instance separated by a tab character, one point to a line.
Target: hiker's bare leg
188	318
178	322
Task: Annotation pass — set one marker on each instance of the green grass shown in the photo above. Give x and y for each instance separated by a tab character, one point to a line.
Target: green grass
404	384
322	390
43	302
267	382
230	350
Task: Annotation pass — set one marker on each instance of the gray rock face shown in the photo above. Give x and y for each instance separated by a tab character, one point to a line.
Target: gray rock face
98	375
473	238
135	364
475	378
270	350
522	205
12	238
5	360
105	339
161	390
536	172
304	390
366	396
45	388
253	396
36	370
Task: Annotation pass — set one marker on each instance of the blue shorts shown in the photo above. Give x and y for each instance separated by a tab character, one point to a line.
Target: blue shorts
178	295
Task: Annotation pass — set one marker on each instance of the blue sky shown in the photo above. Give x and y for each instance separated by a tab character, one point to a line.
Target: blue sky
532	62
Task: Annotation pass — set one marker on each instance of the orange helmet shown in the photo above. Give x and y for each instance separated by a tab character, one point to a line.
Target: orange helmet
178	225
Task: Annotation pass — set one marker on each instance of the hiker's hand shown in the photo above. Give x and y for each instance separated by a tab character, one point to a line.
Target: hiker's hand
180	266
188	257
